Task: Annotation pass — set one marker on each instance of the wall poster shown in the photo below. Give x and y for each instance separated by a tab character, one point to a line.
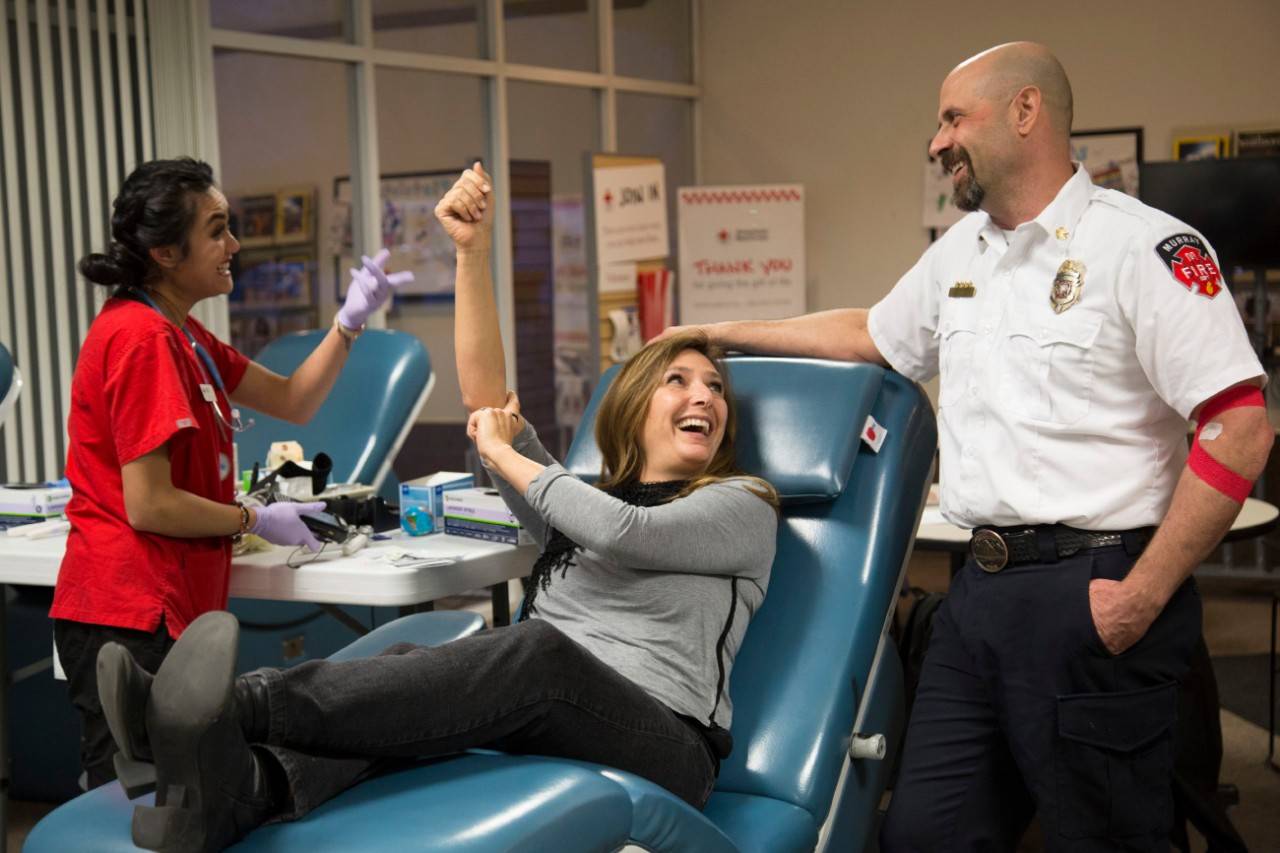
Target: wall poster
741	252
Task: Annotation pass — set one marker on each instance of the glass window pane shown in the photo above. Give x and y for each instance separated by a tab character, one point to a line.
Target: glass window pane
561	35
562	144
651	38
448	27
323	20
281	145
661	127
430	127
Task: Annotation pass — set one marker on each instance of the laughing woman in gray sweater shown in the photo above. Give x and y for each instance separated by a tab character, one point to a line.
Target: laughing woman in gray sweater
637	605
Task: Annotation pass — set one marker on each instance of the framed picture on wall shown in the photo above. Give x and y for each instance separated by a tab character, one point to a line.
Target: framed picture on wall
1257	143
410	230
1111	155
293	284
295	215
1210	147
257	215
275	280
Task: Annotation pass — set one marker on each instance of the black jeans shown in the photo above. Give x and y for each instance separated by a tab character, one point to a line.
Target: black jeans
1021	709
522	689
78	644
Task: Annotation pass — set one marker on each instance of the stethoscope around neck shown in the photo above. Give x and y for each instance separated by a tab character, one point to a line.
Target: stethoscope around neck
235	424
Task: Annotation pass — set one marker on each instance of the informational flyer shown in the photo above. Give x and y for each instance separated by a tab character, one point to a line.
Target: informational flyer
1112	159
630	213
572	320
741	252
618	278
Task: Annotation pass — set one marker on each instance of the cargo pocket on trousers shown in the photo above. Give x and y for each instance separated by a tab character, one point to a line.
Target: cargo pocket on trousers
1114	762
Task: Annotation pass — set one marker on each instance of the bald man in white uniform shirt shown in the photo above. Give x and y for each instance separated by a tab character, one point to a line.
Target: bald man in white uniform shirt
1076	331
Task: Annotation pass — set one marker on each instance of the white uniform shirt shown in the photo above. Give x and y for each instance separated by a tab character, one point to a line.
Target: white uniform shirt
1076	417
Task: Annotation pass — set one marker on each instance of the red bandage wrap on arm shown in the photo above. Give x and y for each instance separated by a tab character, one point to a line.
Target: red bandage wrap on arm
1232	398
1203	465
1217	475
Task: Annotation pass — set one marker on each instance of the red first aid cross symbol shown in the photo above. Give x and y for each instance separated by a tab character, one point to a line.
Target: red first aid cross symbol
1198	273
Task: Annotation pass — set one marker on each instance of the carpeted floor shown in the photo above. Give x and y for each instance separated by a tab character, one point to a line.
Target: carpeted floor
1243	687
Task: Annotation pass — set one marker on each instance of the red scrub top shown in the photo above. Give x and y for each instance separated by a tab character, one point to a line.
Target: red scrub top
136	386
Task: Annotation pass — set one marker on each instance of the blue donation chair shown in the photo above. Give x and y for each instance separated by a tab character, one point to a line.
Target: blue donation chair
367	415
815	682
10	384
361	426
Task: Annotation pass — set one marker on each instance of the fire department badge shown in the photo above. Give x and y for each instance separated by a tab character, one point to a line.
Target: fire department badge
1191	264
1067	285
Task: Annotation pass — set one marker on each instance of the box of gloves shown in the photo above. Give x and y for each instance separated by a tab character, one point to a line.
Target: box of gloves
482	514
427	493
42	500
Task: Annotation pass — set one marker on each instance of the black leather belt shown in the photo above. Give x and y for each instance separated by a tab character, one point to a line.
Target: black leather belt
995	548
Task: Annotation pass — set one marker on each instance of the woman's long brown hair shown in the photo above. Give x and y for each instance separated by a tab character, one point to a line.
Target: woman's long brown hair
620	420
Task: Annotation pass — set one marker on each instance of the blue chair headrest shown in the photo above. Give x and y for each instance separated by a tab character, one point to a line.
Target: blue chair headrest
365	415
10	384
6	371
802	442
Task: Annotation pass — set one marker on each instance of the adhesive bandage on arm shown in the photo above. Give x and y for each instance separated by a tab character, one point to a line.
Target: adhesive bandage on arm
1203	465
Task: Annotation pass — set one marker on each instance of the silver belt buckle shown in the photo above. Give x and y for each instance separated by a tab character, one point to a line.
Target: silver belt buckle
989	550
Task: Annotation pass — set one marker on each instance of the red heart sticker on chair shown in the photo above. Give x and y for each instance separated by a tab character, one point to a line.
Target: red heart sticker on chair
873	434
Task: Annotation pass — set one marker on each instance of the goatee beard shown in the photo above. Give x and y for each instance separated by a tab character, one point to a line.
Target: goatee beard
968	193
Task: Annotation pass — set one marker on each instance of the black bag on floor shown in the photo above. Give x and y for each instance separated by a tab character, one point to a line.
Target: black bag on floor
913	641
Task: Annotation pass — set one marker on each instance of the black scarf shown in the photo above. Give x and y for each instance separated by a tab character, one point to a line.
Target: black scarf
559	551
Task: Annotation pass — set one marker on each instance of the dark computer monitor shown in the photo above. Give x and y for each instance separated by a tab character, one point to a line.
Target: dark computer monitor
1235	204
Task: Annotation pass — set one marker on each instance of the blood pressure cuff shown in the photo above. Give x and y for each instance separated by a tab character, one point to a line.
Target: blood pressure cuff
1203	465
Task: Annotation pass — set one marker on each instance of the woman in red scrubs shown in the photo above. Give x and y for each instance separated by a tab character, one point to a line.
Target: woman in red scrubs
152	419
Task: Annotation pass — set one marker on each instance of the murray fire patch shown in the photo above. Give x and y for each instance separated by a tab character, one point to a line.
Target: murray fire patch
1190	263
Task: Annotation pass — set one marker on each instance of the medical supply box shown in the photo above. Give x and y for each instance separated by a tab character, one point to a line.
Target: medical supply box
482	514
34	501
427	493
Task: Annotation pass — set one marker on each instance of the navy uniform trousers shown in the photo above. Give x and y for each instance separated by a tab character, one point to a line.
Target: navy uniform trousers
1022	710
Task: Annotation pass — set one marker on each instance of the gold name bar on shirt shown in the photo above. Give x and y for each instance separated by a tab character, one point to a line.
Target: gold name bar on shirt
962	290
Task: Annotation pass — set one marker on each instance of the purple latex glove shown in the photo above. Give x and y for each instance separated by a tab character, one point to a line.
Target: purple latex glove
369	290
278	523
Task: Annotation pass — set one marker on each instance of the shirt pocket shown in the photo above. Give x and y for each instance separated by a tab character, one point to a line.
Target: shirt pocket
1048	369
958	336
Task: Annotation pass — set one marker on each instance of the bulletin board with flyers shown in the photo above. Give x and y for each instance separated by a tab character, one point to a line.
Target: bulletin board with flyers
628	242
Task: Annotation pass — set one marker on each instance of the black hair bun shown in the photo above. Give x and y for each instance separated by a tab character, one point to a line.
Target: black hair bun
117	267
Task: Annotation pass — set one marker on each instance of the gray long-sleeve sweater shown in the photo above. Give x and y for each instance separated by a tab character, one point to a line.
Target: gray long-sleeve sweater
662	594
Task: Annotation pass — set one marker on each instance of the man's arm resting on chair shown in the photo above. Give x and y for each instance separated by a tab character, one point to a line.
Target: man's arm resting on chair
840	334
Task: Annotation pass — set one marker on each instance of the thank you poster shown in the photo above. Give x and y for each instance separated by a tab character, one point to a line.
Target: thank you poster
741	252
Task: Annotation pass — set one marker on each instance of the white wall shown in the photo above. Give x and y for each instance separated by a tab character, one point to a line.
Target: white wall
842	97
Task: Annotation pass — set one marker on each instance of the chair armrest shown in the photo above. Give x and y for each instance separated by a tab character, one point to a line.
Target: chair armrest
424	629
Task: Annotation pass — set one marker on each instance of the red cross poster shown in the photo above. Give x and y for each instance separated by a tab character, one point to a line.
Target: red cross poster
741	252
630	213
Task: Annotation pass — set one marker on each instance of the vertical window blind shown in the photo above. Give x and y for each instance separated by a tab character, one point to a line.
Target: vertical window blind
75	118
